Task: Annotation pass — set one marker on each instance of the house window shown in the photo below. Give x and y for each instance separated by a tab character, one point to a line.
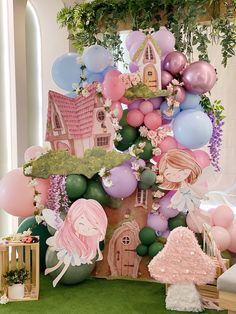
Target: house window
141	198
150	73
57	122
125	240
101	116
149	54
102	141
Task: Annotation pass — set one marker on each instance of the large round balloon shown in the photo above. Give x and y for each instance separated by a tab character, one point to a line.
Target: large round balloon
123	181
191	101
97	58
113	89
17	196
73	275
175	62
66	71
199	77
192	129
76	186
147	150
37	230
96	192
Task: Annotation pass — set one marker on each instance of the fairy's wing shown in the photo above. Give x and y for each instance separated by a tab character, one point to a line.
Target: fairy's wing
52	218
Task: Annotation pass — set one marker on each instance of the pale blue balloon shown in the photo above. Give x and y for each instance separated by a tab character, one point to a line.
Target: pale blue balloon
191	101
71	95
94	77
66	71
192	129
97	58
164	106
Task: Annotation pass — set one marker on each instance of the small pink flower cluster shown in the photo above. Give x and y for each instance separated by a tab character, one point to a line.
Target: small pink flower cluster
130	79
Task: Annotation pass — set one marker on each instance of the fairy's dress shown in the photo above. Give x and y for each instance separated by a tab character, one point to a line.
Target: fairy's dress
185	199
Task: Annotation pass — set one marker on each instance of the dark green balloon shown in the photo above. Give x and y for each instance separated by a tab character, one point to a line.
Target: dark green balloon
177	221
129	134
122	146
142	186
76	186
73	275
37	230
114	202
95	191
142	250
147	235
148	177
147	150
123	120
102	245
155	248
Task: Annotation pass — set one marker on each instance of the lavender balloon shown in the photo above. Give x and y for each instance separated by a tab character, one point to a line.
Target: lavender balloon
199	77
169	212
165	39
157	222
175	62
134	37
165	200
135	104
156	101
180	93
166	78
123	180
166	233
133	67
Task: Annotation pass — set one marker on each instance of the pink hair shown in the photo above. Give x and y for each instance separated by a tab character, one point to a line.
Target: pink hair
179	159
83	246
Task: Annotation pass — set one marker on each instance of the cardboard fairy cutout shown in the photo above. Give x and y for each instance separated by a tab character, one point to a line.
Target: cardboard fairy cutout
77	239
181	172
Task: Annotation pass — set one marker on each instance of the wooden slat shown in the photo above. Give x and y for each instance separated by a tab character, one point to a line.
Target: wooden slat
28	265
20	257
33	276
1	270
227	300
37	269
13	258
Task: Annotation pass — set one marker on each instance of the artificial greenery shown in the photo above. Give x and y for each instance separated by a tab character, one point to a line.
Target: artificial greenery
17	276
214	107
99	22
143	91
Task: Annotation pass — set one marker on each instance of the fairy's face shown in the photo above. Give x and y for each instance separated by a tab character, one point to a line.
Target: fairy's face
84	227
176	175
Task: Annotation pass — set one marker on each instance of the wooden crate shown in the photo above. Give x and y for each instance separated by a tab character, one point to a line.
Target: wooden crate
16	255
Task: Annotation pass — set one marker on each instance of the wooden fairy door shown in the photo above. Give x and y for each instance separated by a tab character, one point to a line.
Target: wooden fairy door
150	77
122	257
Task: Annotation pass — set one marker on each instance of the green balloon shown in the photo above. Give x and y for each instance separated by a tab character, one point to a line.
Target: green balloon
155	248
123	120
96	192
129	134
102	245
122	146
142	186
76	186
142	250
177	221
114	202
148	177
147	150
37	230
147	235
73	275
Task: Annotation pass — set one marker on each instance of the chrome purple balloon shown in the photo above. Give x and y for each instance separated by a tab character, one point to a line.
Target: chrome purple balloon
166	78
175	62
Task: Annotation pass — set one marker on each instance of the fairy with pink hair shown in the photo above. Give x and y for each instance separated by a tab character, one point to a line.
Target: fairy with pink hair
180	172
77	239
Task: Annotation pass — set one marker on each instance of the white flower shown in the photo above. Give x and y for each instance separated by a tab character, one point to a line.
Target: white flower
27	232
102	172
118	137
80	60
28	170
155	206
107	103
175	82
137	175
37	198
156	151
159	179
39	219
4	299
85	93
75	86
33	182
143	131
135	165
116	125
158	194
142	145
99	88
132	150
107	182
83	77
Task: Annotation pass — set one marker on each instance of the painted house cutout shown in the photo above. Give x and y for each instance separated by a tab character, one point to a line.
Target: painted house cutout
76	124
149	63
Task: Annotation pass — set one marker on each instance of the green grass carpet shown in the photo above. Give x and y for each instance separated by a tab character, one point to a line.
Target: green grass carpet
95	296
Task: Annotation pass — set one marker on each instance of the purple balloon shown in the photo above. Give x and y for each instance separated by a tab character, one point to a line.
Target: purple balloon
175	62
180	95
165	39
199	77
134	37
123	180
166	233
169	212
157	222
135	104
166	78
156	101
165	200
133	67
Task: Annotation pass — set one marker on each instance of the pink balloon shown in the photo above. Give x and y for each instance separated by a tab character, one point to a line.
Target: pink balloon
157	158
156	101
133	67
165	39
33	152
152	121
111	74
232	232
180	93
166	78
145	107
200	217
135	117
16	196
175	62
116	109
202	158
157	222
221	237
134	37
179	146
113	89
199	77
135	104
223	216
168	143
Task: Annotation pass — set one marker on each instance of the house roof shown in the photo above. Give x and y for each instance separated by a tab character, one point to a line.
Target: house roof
141	48
77	113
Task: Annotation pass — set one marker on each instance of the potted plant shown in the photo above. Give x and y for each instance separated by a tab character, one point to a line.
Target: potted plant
15	280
